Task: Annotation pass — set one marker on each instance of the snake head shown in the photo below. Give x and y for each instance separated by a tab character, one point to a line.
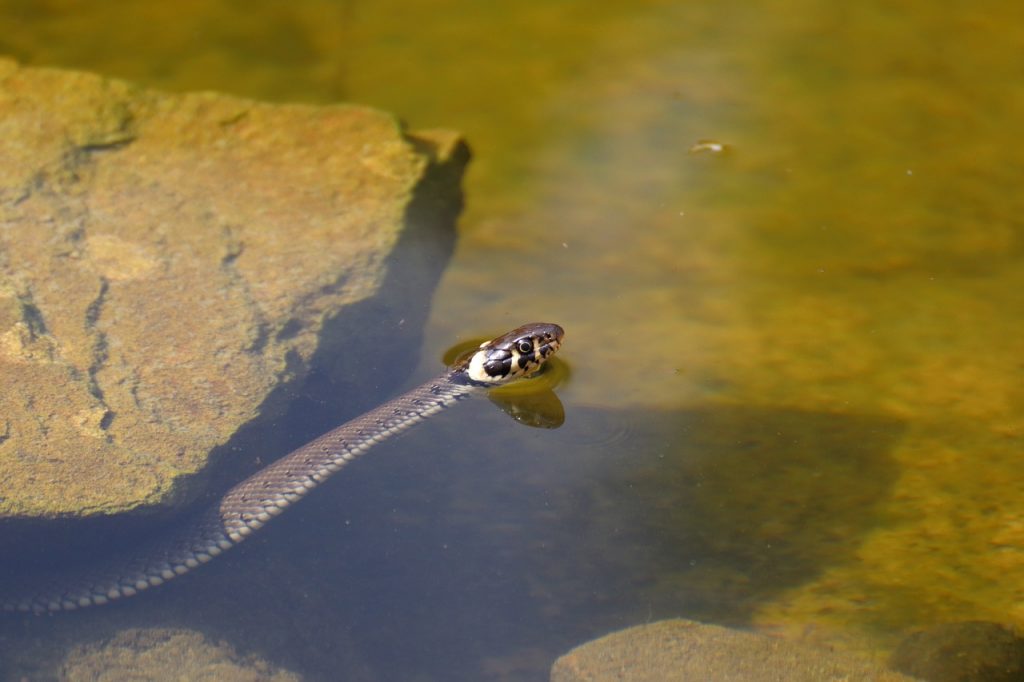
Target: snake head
519	353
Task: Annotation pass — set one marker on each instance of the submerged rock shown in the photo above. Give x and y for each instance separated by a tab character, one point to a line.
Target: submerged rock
166	654
684	650
971	651
167	261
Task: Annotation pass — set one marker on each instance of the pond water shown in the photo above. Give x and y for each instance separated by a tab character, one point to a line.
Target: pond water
785	242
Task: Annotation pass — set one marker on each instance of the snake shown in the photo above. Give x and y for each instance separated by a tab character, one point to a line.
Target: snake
250	504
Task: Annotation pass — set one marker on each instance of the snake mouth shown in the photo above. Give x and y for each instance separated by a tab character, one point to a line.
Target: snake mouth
550	347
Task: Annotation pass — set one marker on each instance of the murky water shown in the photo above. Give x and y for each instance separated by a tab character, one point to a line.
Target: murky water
797	394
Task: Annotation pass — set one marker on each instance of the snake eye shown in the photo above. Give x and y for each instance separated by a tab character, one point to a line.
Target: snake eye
525	346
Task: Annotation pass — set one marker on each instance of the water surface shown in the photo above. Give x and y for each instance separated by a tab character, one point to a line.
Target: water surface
797	384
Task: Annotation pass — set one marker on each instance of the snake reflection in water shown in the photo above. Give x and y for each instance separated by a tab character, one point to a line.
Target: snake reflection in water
247	506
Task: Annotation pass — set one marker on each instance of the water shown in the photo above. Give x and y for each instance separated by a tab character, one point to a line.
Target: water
796	400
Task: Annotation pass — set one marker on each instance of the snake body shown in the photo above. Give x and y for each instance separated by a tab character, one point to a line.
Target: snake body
247	506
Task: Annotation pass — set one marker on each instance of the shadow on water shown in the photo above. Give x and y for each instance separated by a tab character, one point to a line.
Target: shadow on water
475	549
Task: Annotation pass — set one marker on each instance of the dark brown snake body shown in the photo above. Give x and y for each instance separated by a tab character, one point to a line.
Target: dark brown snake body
246	507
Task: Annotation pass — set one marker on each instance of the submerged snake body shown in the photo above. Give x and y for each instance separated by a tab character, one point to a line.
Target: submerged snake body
250	504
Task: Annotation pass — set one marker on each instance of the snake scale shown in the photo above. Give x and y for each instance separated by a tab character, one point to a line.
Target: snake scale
247	506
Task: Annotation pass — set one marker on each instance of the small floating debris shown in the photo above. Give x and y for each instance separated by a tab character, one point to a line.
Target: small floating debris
709	147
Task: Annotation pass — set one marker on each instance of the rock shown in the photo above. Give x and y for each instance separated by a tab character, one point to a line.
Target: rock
684	650
159	654
962	652
167	261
